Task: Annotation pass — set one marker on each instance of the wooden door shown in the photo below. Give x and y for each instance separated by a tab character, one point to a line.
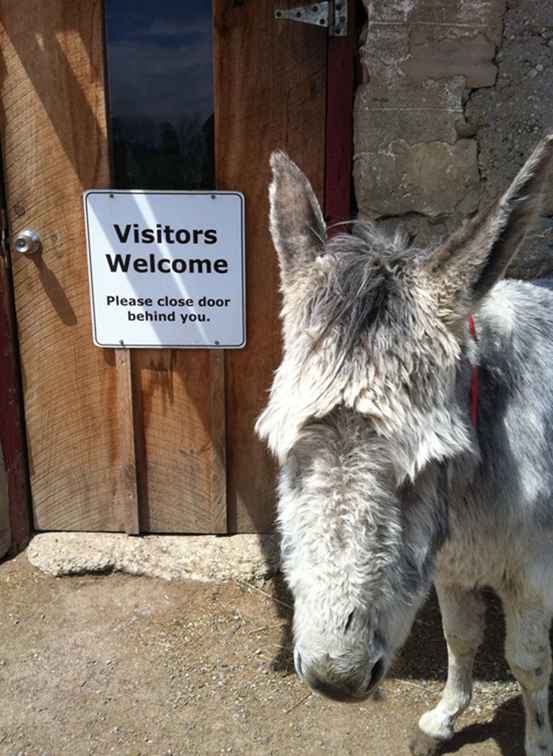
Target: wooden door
143	440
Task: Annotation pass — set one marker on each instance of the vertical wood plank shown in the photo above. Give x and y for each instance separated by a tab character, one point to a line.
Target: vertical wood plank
270	91
5	527
219	442
79	431
339	125
126	487
183	483
15	518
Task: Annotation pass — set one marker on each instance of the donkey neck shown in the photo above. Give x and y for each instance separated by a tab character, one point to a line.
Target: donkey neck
501	507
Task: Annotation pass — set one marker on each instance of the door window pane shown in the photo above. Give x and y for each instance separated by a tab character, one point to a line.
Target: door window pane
160	83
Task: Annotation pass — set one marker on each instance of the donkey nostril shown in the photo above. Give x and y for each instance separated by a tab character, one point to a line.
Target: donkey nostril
297	663
376	675
348	622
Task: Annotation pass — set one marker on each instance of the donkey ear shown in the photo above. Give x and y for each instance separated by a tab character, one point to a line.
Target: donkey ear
297	224
471	261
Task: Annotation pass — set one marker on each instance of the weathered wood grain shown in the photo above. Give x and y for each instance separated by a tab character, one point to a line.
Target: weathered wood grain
15	514
125	475
182	480
270	91
339	125
79	429
5	527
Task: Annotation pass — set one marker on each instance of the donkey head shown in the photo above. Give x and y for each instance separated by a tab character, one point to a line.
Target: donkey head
367	409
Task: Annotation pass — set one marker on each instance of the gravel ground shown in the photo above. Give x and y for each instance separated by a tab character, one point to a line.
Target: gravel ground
125	665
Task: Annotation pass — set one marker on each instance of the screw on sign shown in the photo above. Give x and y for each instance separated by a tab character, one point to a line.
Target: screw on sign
28	242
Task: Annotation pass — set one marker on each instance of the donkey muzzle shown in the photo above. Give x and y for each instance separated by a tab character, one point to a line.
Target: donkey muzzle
355	685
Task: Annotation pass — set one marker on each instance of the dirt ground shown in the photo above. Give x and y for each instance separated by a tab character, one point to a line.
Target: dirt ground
125	665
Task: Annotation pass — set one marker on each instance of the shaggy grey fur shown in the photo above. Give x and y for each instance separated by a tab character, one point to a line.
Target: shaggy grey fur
385	485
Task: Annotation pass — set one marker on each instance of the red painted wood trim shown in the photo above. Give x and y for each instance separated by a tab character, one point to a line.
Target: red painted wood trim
12	434
339	125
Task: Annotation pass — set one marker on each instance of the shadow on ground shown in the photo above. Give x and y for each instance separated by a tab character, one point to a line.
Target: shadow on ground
425	655
506	729
283	661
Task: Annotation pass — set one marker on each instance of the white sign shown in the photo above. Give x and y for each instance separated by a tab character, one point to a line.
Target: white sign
166	268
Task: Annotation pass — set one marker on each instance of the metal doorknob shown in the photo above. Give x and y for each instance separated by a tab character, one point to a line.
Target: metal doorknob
28	242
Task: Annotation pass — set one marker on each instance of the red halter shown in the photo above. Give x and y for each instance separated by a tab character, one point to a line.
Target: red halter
474	380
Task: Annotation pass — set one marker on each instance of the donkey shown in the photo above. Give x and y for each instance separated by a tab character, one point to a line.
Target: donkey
386	484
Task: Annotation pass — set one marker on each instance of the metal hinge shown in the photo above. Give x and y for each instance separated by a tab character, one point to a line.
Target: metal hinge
333	15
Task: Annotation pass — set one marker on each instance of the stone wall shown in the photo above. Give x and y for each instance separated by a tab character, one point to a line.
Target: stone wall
455	94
